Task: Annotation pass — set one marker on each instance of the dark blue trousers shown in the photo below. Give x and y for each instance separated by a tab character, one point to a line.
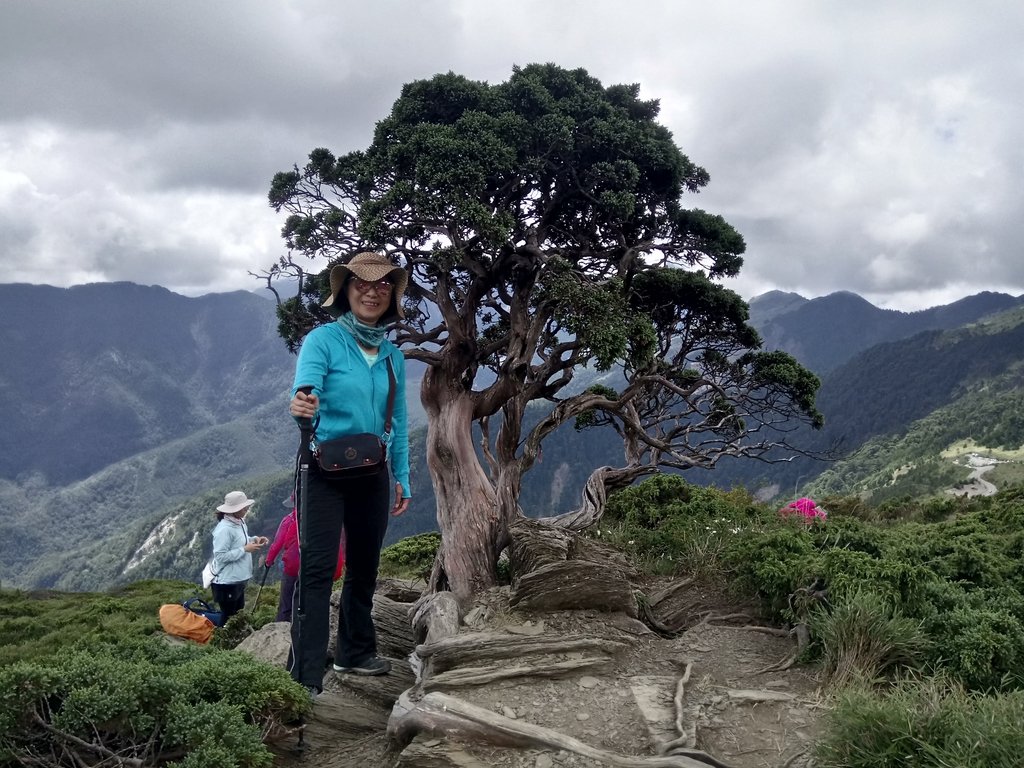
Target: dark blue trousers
361	506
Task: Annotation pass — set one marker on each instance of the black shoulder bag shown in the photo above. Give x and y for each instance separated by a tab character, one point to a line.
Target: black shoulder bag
356	455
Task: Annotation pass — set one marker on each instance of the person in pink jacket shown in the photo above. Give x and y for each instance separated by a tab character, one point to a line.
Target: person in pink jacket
805	509
286	544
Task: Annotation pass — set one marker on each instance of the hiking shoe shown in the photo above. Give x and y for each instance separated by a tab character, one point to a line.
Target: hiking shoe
374	665
314	692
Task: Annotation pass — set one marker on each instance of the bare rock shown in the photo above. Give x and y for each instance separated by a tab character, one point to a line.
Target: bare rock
270	643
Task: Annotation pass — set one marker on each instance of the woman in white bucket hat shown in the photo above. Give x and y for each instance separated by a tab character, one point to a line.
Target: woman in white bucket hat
232	553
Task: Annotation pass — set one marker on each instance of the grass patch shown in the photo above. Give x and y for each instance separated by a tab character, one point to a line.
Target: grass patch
37	624
1006	475
931	723
864	638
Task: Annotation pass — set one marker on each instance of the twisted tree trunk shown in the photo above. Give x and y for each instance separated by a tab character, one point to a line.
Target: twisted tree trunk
595	496
466	505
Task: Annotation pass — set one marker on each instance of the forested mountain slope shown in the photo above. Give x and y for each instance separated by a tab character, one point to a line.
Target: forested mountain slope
97	373
885	389
126	405
824	333
879	392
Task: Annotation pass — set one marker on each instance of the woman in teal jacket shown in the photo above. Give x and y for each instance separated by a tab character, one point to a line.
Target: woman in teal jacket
342	383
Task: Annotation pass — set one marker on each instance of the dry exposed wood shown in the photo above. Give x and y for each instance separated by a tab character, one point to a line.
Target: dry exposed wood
535	545
670	591
592	503
599	552
679	618
655	623
436	754
747	696
394	631
556	569
381	690
574	584
776	631
435	616
471	647
467	676
342	715
443	715
684	729
595	496
803	639
401	590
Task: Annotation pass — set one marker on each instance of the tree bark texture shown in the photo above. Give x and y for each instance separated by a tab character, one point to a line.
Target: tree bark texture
436	617
457	651
595	496
467	513
555	569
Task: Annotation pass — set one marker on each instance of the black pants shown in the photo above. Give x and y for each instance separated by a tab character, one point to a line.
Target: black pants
361	507
230	598
284	605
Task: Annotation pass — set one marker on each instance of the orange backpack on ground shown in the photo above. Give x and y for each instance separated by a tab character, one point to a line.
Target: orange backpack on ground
179	621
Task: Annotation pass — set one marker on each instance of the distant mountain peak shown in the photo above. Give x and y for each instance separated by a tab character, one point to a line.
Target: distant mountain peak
767	306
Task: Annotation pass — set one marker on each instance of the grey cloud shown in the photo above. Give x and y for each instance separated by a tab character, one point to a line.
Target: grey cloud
864	146
107	63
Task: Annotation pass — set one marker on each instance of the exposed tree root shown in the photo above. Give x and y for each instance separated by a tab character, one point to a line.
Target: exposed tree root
671	590
710	617
803	639
655	624
454	651
777	631
687	738
466	676
446	716
435	616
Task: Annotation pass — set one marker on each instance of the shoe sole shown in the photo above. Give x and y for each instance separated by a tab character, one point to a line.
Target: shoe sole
363	672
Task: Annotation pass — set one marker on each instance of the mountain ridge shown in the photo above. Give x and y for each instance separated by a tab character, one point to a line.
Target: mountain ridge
198	427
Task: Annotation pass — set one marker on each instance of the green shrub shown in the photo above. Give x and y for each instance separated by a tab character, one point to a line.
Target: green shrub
663	498
412	556
773	563
983	647
35	625
669	526
145	700
895	580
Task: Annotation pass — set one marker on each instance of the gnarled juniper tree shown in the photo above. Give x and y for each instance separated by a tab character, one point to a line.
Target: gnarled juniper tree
541	223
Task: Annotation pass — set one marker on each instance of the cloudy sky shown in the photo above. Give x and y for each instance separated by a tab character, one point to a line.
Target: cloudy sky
873	146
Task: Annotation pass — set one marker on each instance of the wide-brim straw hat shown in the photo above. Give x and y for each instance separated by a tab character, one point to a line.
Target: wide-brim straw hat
235	501
370	267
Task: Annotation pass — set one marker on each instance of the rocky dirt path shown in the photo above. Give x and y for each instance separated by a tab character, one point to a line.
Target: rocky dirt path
711	688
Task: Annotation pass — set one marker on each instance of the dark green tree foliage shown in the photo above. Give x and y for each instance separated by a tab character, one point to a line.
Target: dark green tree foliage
540	221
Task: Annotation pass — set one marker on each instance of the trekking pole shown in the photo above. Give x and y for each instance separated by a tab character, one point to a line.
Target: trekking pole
299	611
256	602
